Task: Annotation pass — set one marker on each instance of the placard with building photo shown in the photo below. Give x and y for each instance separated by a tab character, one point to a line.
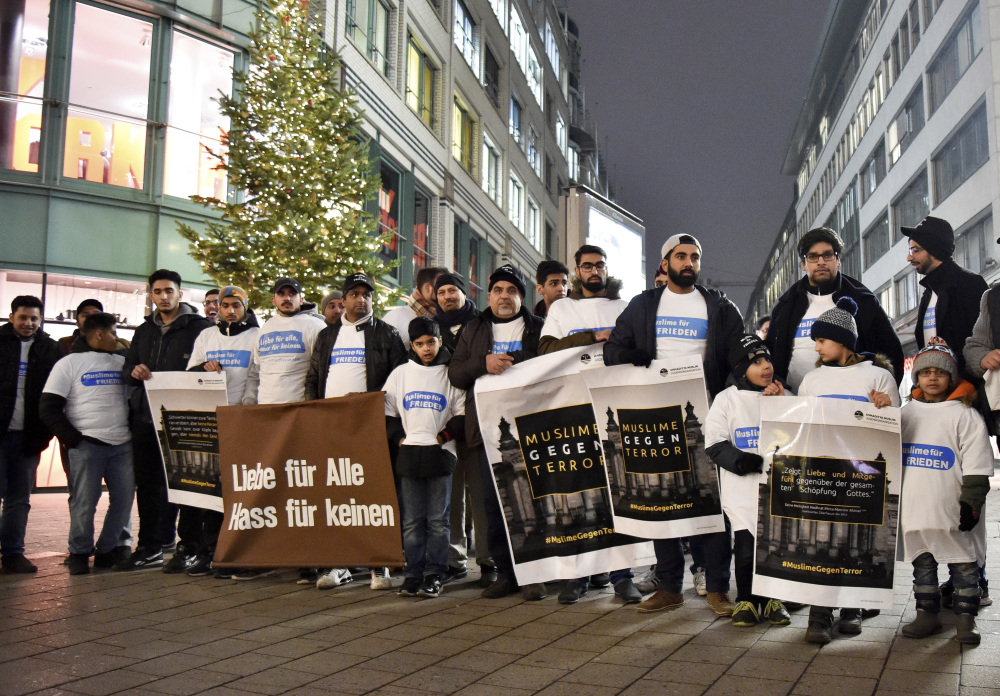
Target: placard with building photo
662	483
545	452
183	405
829	502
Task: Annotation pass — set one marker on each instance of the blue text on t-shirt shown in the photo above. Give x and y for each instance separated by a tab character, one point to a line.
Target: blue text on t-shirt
344	356
928	456
930	318
595	329
230	358
506	346
22	369
746	438
849	397
682	327
805	328
423	399
101	378
281	342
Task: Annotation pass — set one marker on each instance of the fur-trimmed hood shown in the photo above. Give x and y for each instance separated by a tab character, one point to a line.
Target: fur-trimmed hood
614	289
964	391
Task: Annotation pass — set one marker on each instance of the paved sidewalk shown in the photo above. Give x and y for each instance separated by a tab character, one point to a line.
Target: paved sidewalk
150	633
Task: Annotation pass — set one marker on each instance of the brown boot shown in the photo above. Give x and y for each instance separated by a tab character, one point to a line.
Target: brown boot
967	633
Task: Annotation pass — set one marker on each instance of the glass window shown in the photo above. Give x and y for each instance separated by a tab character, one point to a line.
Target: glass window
491	77
199	72
873	171
534	75
930	7
911	207
368	28
957	55
515	201
422	257
388	216
534	226
21	91
914	13
971	245
966	151
574	163
461	135
904	128
534	159
420	83
109	98
561	133
498	10
884	295
476	292
551	46
518	39
515	120
465	36
905	292
492	170
877	240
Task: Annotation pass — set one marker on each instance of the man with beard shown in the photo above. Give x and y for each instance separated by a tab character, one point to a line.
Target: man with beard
421	303
504	335
793	352
949	305
551	279
681	318
228	349
455	310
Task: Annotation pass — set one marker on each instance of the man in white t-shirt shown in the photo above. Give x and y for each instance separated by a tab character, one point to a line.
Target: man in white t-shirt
681	318
84	403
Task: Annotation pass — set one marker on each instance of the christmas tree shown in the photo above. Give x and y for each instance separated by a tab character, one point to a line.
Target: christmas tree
299	167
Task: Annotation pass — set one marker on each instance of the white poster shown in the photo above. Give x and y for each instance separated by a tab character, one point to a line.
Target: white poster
663	484
182	405
548	467
829	503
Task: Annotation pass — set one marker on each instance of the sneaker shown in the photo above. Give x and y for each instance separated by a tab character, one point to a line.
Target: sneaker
626	590
453	574
745	615
572	591
79	563
382	581
600	580
534	592
223	573
410	587
431	586
984	597
501	588
335	577
820	630
307	576
776	614
180	561
199	566
850	622
115	555
648	582
487	575
253	573
720	603
169	548
142	557
698	579
661	601
17	563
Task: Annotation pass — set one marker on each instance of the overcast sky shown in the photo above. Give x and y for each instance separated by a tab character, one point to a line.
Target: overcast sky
694	102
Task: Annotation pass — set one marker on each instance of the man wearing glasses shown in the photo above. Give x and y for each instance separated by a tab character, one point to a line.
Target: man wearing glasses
793	352
211	305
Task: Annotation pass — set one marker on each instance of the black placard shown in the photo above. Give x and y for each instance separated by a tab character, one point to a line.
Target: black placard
562	450
653	440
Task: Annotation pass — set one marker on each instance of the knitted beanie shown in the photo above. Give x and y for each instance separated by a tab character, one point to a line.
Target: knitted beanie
937	355
509	274
743	350
838	324
449	279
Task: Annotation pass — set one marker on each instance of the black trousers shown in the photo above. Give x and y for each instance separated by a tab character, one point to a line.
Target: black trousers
150	486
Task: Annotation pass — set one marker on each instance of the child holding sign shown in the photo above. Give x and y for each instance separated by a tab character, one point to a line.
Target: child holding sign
424	413
947	460
731	432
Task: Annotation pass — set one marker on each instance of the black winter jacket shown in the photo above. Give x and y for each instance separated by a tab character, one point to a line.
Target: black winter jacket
384	352
160	352
875	332
41	357
635	328
469	360
958	294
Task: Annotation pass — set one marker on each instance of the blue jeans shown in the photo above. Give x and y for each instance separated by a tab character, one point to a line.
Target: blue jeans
964	577
426	522
89	464
17	476
670	563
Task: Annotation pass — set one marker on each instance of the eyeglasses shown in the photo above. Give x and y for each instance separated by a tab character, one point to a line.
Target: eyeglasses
934	372
588	267
914	250
826	256
210	303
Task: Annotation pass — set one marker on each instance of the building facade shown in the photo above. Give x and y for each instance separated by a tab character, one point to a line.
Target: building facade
899	122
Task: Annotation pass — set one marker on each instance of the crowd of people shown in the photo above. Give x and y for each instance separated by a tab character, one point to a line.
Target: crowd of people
826	336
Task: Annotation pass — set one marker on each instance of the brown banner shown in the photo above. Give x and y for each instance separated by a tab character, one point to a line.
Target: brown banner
308	485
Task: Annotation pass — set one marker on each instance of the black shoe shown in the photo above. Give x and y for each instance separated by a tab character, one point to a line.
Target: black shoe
572	591
850	622
180	561
17	563
431	586
453	574
487	575
820	630
169	548
410	587
627	591
222	573
79	563
200	566
308	576
142	557
501	588
115	555
600	580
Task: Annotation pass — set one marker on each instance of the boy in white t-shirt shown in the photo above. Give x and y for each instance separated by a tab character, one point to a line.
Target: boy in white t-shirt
731	433
424	414
84	404
947	463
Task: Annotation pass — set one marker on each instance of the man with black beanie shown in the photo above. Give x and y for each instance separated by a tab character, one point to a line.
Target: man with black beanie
949	306
456	309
